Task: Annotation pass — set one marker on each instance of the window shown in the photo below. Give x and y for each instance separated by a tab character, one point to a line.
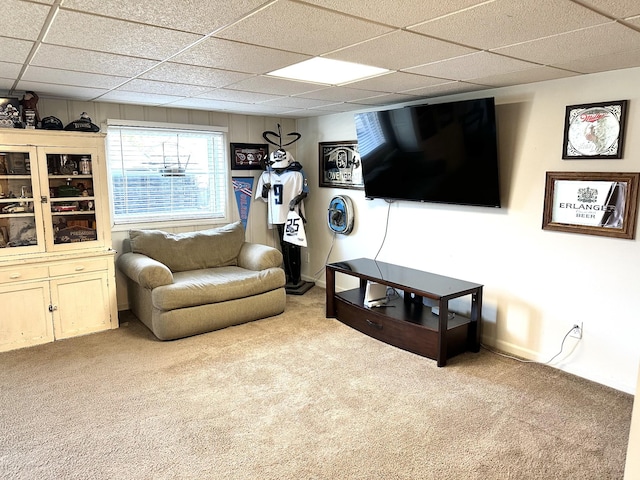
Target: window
163	172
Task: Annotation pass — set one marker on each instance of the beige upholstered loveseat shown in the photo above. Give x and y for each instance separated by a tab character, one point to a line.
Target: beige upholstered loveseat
191	283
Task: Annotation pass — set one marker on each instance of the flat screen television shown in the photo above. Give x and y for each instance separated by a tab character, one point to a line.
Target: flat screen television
442	153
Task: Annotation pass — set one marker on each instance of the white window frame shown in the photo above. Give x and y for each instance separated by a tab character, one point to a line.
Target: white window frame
224	164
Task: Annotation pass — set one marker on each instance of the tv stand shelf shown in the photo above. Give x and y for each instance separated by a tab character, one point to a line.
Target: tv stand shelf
405	321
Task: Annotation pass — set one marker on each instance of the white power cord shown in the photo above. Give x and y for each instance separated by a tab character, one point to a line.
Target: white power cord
533	361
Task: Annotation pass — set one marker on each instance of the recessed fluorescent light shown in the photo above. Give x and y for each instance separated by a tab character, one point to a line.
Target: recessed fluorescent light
327	71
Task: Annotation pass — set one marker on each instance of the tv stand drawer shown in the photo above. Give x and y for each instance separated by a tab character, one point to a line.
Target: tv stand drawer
399	333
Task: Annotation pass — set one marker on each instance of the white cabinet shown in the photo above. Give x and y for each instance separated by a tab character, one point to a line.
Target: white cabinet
57	275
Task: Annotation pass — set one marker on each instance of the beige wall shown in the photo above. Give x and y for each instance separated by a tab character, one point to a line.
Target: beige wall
538	283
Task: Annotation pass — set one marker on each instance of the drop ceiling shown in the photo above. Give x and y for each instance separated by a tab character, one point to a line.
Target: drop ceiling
215	54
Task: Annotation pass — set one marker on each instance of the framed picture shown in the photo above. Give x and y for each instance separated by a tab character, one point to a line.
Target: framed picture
249	156
340	165
591	203
594	130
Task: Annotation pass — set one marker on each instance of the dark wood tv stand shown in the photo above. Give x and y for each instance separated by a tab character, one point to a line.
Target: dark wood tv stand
406	321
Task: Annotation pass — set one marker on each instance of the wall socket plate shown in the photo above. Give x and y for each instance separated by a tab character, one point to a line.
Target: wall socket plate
576	331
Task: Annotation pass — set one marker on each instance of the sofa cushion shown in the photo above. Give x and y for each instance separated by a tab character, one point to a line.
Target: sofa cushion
181	252
214	285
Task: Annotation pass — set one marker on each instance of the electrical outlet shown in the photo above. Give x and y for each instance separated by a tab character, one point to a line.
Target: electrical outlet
576	331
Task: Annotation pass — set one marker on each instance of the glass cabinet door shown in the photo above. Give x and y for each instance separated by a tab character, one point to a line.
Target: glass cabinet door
71	217
20	213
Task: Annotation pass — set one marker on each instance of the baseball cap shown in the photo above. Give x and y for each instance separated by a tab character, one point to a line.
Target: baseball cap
51	123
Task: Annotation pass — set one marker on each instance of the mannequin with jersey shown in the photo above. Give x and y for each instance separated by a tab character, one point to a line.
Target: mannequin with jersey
283	186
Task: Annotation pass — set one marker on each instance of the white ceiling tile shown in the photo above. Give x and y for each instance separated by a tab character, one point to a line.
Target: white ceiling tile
196	103
15	51
387	99
303	113
576	45
537	74
9	70
13	13
239	57
5	86
295	102
90	32
617	8
277	86
238	96
260	109
115	43
316	30
163	88
506	22
396	14
603	63
339	107
339	94
61	91
221	105
120	96
67	58
194	75
186	15
447	88
402	49
67	77
475	65
395	82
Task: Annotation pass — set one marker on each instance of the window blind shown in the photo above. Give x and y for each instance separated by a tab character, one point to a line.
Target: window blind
163	174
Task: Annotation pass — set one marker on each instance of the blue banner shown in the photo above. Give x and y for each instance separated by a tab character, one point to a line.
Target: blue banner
243	188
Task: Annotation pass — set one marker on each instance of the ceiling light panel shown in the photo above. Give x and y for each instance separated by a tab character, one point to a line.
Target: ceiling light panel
327	71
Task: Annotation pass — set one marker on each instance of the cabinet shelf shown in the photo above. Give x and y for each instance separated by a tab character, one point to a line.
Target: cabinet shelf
15	176
65	177
17	215
74	212
71	199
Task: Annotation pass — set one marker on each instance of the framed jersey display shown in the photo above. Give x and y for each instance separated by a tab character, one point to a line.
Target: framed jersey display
340	165
249	156
594	130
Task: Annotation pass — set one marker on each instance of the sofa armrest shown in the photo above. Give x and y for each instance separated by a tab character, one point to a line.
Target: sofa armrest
145	271
254	256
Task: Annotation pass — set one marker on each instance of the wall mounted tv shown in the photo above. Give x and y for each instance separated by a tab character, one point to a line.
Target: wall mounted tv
443	153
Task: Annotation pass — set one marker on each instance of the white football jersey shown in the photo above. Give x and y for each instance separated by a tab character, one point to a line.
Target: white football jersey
285	186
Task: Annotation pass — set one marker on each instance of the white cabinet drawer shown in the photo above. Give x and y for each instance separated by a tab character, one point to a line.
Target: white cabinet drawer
70	268
22	273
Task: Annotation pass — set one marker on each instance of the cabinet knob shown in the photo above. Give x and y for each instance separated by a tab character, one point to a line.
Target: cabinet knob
13	276
79	269
53	308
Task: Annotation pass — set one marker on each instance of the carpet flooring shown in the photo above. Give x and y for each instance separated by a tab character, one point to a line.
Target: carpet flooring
296	396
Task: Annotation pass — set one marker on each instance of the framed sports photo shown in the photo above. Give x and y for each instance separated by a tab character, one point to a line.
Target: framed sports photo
249	156
591	203
340	165
594	131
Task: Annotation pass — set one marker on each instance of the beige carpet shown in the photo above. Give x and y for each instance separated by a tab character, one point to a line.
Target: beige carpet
296	396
